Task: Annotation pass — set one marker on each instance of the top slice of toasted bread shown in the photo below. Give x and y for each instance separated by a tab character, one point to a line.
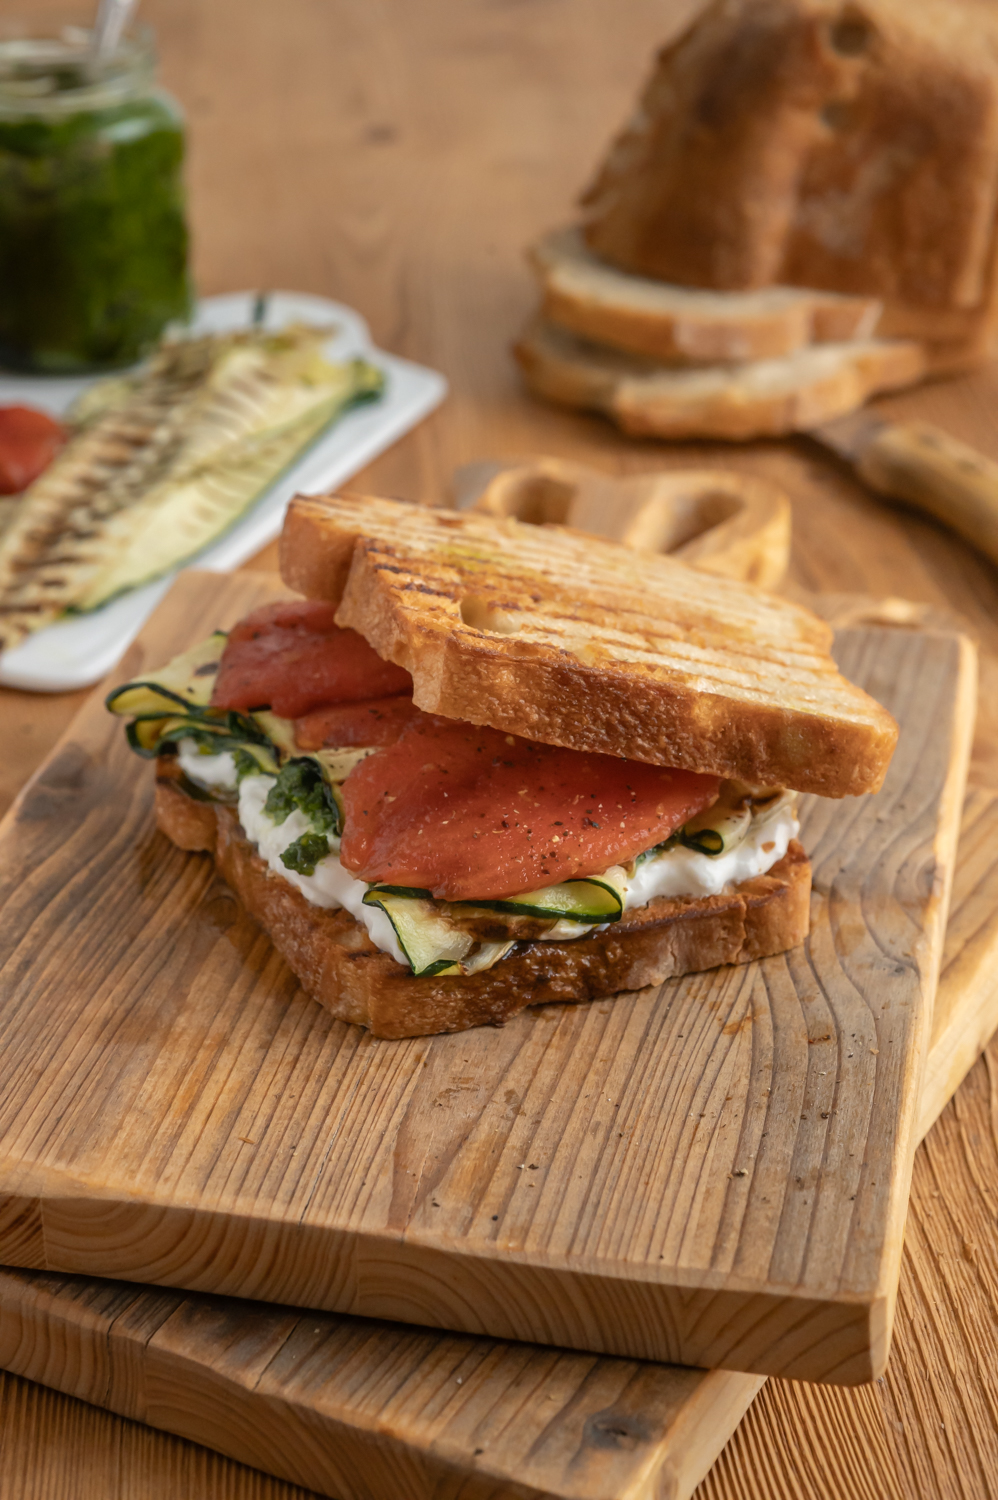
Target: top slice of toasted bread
559	637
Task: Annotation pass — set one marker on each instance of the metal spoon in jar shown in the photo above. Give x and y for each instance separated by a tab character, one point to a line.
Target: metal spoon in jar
112	18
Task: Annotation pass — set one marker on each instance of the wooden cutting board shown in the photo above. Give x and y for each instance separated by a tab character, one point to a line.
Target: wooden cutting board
713	1173
363	1411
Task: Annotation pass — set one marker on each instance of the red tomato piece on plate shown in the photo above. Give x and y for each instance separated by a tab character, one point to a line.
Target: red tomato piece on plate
372	721
29	441
292	657
475	814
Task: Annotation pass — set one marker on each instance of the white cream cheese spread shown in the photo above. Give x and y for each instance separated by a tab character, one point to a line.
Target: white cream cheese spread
687	872
330	885
216	772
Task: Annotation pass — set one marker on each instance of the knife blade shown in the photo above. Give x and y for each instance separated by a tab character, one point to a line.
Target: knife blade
923	466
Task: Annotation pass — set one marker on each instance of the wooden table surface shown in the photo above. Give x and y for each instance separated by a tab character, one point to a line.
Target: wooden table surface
398	157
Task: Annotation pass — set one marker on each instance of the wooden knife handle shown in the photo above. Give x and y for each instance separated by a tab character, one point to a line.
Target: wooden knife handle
923	465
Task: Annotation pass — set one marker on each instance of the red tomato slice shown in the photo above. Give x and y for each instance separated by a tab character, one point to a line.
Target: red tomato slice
372	721
292	657
471	813
29	441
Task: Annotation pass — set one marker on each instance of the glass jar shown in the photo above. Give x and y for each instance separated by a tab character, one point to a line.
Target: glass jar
93	237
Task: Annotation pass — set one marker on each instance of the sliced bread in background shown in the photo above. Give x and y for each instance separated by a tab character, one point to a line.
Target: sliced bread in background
686	324
765	398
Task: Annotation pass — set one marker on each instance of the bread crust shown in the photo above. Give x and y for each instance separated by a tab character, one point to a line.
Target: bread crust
802	142
680	325
761	399
599	648
341	968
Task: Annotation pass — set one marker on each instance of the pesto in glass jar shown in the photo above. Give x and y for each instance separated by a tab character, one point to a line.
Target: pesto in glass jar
93	237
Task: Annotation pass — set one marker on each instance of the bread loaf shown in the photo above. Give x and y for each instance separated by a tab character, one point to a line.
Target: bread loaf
851	147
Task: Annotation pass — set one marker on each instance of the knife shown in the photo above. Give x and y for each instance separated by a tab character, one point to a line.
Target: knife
923	466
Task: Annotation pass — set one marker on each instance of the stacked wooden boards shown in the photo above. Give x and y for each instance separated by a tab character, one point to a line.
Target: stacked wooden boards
363	1411
712	1174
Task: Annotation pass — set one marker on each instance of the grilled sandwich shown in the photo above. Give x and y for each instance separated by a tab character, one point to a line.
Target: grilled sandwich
481	765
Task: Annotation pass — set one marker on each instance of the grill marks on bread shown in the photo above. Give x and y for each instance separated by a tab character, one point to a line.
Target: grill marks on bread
559	637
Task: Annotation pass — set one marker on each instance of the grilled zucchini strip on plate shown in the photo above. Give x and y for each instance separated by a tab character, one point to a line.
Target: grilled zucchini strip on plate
164	462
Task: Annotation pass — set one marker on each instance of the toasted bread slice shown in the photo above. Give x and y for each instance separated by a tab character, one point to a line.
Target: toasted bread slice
686	325
767	398
564	638
339	966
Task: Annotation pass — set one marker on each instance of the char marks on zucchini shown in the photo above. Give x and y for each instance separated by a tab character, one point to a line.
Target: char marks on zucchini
163	462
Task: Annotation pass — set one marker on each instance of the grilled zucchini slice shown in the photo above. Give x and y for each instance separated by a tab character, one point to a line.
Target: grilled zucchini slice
596	899
723	827
184	682
280	732
230	732
429	940
177	520
164	462
430	932
337	764
172	704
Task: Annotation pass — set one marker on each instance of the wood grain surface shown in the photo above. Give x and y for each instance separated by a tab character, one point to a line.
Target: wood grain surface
713	1172
366	1411
928	1429
55	1448
399	158
361	1410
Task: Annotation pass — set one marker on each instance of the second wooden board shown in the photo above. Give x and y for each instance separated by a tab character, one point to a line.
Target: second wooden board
711	1173
365	1411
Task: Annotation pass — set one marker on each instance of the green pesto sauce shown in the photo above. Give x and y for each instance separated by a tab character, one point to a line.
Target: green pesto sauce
93	238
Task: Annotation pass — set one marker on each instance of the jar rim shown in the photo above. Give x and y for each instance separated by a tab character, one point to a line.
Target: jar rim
45	75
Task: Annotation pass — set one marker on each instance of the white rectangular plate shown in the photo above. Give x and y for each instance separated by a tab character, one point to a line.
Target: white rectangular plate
77	652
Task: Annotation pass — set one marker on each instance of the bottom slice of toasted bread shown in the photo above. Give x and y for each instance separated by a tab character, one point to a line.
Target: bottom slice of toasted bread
338	965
